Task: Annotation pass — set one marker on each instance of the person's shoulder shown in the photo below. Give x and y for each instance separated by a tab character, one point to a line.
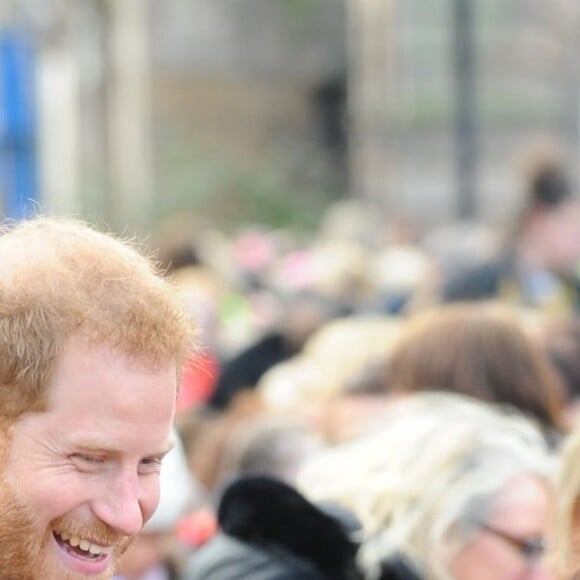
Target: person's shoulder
477	281
269	531
228	558
270	344
222	558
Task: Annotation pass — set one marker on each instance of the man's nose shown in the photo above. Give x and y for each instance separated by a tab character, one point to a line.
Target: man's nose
120	504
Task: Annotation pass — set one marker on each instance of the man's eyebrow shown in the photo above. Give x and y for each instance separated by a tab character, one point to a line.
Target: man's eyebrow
96	445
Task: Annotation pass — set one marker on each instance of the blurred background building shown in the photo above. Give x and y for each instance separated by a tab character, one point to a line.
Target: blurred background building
266	111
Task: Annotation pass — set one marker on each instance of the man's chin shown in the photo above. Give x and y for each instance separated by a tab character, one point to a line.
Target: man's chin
30	551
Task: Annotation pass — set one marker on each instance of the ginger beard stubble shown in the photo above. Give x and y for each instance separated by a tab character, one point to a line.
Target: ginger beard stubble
24	543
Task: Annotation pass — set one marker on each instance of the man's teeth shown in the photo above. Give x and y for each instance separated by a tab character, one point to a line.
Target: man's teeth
84	545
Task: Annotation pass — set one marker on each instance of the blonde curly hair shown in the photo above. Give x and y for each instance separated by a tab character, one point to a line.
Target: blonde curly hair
426	479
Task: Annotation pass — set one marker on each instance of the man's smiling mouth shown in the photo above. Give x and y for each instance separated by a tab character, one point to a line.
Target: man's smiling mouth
80	547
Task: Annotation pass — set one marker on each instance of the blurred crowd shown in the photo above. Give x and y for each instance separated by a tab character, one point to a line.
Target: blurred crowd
372	402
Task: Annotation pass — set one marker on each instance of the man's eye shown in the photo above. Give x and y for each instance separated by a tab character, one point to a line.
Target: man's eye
90	458
87	460
151	465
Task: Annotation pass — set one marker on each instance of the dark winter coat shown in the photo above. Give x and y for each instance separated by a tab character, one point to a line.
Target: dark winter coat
270	532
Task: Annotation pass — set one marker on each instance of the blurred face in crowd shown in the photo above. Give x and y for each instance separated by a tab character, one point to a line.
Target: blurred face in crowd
80	479
561	237
509	543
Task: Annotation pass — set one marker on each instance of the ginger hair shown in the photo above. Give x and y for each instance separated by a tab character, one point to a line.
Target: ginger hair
63	279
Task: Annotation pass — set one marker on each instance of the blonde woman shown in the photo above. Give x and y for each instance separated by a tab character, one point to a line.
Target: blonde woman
455	488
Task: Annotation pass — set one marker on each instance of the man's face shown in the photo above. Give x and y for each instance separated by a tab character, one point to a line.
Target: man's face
80	479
